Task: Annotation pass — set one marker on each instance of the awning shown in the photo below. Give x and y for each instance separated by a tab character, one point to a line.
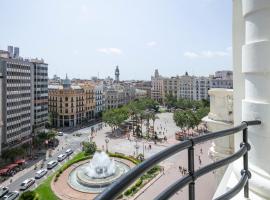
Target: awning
3	171
20	161
11	166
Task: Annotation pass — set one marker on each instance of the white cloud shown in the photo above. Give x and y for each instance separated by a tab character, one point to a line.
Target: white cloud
208	54
191	54
110	51
151	44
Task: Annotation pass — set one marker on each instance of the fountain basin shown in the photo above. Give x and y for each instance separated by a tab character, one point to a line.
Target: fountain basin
80	180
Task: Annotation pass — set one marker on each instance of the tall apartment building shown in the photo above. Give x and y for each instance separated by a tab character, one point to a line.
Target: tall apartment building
16	81
171	86
222	79
100	98
40	73
70	104
157	90
23	99
187	87
201	85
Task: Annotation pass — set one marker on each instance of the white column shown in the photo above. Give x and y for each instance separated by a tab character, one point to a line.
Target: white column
256	105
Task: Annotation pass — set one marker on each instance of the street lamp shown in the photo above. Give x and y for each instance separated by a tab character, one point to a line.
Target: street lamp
107	141
136	147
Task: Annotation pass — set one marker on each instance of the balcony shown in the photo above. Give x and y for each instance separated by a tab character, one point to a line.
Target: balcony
115	190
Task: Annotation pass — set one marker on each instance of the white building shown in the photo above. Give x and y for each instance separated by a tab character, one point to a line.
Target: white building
222	79
157	90
201	85
100	98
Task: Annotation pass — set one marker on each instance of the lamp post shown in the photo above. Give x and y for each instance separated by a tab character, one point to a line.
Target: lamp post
107	142
136	147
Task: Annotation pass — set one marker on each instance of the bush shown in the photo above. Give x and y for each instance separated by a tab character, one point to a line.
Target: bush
29	195
153	170
132	159
128	192
138	182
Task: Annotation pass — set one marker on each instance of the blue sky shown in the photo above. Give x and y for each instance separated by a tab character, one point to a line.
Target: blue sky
85	38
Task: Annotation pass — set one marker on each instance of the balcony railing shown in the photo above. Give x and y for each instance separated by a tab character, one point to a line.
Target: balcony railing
115	189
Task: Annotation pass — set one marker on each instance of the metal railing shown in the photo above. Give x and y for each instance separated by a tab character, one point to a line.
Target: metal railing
115	189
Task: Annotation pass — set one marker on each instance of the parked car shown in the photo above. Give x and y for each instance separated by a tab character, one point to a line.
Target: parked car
60	133
61	157
3	191
11	196
69	152
27	183
52	164
41	173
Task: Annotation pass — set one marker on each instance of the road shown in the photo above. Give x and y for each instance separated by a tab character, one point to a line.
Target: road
67	141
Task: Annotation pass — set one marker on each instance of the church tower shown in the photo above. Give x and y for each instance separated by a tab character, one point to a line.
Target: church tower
117	74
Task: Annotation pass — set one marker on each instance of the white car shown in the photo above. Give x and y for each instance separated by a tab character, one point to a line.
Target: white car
27	183
61	157
52	164
11	195
69	151
60	133
3	191
41	173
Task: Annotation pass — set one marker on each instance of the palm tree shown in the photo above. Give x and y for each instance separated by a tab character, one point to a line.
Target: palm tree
154	118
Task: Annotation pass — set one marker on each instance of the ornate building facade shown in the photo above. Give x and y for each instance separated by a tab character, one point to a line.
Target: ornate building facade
71	105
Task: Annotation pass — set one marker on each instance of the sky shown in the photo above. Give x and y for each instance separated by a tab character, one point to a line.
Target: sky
86	38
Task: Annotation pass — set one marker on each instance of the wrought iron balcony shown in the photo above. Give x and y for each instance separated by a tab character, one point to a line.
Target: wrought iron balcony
115	190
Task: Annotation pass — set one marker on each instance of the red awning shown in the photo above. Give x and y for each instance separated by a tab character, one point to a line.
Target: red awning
21	161
11	166
3	171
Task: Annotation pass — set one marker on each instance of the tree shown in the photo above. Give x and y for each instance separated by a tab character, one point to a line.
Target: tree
179	119
153	118
29	195
170	101
89	147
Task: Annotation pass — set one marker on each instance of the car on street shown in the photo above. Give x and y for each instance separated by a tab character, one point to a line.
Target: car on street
11	196
69	151
27	183
3	191
60	133
52	164
40	173
61	157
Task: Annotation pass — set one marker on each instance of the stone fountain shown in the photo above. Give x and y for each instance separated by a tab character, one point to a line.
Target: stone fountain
97	174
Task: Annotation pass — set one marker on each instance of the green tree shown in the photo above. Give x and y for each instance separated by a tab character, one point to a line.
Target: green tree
89	147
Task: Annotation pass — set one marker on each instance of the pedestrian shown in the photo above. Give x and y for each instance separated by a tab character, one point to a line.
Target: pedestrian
163	171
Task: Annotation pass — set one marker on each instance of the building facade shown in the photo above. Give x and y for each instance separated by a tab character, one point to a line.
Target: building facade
40	75
117	95
16	81
222	79
71	105
144	85
157	90
201	85
100	98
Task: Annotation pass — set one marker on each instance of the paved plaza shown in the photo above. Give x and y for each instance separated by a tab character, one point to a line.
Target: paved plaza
205	186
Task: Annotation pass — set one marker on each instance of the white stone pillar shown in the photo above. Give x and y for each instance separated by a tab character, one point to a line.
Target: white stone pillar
219	118
256	105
